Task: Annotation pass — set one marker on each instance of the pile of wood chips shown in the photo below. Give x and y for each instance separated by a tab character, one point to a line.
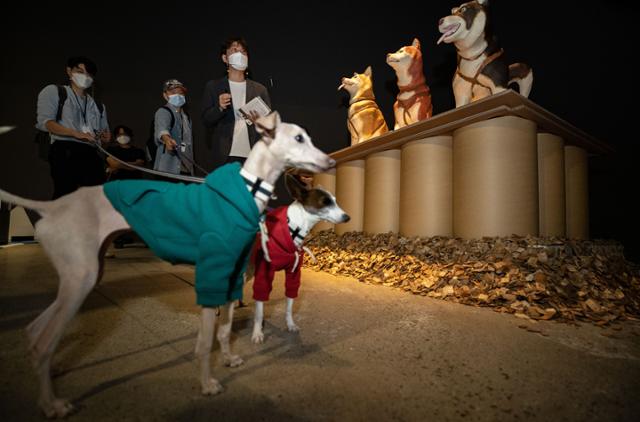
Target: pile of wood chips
533	278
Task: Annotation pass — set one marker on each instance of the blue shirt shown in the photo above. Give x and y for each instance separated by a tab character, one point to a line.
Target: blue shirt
77	112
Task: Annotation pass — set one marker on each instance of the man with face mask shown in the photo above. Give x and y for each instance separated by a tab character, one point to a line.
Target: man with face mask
73	156
172	132
228	134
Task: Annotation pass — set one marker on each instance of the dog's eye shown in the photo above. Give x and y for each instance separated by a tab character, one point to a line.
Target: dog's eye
327	201
299	138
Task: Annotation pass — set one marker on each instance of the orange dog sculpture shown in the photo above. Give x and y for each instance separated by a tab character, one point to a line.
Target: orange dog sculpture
365	119
414	99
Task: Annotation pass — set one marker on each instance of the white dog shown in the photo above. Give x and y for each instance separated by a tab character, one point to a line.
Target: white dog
76	229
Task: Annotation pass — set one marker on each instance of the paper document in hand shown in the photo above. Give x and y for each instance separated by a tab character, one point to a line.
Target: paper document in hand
256	105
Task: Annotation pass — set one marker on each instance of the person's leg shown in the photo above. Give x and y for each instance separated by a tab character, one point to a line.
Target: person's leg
62	168
90	165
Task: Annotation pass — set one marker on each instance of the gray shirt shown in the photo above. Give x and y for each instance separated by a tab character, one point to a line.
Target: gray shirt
77	112
181	132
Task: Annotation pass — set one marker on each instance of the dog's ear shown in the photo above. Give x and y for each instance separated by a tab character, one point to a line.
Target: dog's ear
416	43
266	126
367	71
295	187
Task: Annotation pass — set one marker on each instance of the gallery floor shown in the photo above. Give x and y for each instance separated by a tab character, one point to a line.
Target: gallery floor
363	353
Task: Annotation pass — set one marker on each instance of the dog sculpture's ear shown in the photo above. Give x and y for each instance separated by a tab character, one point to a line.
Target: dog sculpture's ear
295	187
266	126
367	71
416	43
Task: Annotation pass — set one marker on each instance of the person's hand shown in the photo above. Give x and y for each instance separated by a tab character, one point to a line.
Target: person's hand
253	116
84	136
105	136
169	143
224	100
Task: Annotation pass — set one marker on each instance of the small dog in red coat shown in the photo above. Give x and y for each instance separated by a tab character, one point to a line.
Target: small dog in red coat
287	227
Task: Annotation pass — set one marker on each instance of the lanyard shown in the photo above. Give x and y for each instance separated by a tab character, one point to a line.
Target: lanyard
82	112
183	120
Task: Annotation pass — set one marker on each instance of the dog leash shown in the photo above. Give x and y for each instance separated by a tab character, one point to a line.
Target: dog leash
191	179
184	158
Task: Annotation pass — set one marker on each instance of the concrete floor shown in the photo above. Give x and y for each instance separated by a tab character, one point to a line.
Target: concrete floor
363	353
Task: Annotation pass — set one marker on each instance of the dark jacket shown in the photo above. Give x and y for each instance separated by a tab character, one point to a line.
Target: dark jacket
220	124
213	225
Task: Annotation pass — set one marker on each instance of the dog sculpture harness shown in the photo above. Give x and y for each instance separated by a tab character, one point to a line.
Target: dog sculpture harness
419	89
368	103
474	81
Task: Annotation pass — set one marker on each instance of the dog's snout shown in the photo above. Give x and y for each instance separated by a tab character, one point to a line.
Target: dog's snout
441	21
331	162
345	218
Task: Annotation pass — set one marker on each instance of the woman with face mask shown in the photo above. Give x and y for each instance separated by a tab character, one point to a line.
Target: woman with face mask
124	150
229	138
173	132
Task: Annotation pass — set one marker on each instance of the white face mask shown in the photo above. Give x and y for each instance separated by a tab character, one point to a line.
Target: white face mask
177	100
82	80
238	61
123	139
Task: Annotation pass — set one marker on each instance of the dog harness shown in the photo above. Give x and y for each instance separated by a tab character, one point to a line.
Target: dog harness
474	81
369	103
212	225
284	254
421	90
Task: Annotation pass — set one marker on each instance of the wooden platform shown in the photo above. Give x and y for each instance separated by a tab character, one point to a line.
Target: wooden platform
500	166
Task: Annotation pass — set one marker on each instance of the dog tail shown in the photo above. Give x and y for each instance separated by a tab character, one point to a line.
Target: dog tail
23	202
521	74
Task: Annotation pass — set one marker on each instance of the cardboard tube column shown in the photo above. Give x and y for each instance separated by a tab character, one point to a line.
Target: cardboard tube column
426	191
328	182
551	185
382	192
577	192
495	178
350	194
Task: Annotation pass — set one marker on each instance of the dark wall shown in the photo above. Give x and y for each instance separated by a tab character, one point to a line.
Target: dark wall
581	53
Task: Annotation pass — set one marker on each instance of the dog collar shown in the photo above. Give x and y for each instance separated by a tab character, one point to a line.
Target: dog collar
412	87
257	186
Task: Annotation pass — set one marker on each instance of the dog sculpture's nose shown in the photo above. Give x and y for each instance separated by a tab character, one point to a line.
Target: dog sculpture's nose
441	21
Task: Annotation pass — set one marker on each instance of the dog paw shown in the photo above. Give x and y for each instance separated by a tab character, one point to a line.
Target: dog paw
58	408
293	327
257	338
233	361
212	387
